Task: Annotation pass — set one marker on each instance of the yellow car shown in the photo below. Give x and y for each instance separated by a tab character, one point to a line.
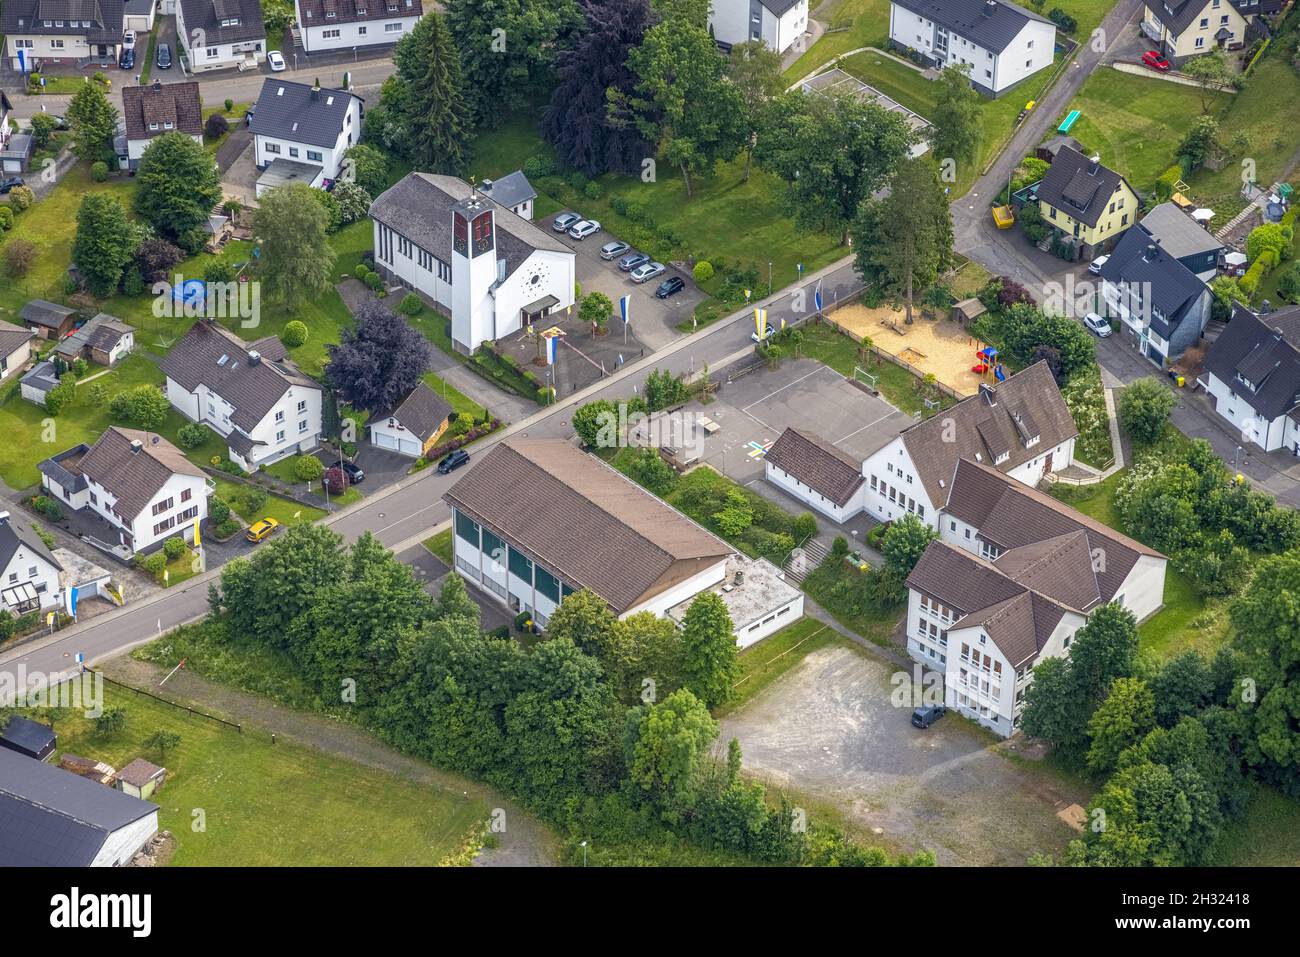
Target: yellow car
260	531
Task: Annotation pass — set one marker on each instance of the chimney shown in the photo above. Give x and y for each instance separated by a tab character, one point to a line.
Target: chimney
136	446
990	7
254	357
157	86
315	90
1094	163
1150	252
487	185
989	393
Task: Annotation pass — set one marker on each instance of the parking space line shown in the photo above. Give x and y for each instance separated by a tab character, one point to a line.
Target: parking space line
887	415
783	388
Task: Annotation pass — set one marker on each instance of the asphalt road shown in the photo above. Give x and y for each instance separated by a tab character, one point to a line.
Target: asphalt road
407	512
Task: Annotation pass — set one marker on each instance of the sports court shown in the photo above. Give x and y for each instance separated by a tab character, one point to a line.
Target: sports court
838	81
938	346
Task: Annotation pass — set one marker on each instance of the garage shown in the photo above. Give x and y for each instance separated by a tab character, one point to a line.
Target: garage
413	424
385	439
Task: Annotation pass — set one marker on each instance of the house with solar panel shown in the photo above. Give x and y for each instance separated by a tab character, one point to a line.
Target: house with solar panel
1000	44
300	133
346	24
1086	203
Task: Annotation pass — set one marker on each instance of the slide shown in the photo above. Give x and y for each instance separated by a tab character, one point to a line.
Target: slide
998	373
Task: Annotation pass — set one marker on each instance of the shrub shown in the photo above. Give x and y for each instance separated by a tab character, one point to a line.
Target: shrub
308	468
361	272
1063	20
593	190
229	104
155	563
6	218
254	499
703	271
618	204
374	281
216	126
218	510
99	171
1144	409
191	435
538	166
21	198
411	304
20	255
80	367
219	270
839	547
1288	285
805	526
174	548
295	333
48	507
132	282
578	181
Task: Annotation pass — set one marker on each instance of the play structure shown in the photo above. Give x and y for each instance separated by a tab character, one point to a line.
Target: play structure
1070	119
987	365
941	348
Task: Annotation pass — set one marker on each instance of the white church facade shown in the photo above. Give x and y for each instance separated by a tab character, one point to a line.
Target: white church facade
491	270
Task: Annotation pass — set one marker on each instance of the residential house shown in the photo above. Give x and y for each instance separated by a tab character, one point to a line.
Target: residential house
513	191
252	394
1021	427
491	270
42	32
138	15
1001	43
1184	238
29	572
1163	307
151	111
140	779
1012	578
300	125
538	519
15	147
345	24
24	736
15	348
1188	28
1252	374
50	817
1088	202
39	382
777	23
817	473
102	339
219	34
414	425
46	319
142	486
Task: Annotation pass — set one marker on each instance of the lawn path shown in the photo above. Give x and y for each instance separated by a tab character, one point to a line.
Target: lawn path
526	842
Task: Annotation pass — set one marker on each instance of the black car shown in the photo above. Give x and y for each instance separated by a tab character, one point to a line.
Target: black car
7	184
164	58
926	716
127	60
355	473
453	461
669	287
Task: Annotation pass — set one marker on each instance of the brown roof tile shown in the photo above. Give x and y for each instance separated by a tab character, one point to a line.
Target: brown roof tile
817	463
133	477
175	103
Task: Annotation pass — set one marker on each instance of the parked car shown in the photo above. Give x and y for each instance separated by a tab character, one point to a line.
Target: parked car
248	117
355	473
1094	267
926	716
768	333
453	461
127	60
564	221
262	530
669	287
128	39
632	260
1097	324
584	229
646	272
7	184
276	61
163	60
1153	59
613	250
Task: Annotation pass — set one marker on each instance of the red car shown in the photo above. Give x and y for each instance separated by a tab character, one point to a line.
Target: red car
1153	59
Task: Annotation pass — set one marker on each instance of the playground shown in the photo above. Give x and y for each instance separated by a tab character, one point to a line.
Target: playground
941	347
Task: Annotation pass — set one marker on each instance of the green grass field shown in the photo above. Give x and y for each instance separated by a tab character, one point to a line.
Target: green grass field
440	545
1268	835
765	662
283	510
265	804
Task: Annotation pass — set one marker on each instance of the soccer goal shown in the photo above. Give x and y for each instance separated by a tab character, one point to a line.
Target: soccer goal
869	379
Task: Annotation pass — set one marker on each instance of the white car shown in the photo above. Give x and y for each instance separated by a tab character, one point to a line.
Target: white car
128	39
276	60
1097	324
767	334
646	272
1094	267
584	229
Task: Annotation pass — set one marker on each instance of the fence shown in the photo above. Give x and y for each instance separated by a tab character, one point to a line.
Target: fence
179	707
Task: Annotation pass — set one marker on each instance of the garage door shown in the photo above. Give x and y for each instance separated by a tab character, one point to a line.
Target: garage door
384	440
408	447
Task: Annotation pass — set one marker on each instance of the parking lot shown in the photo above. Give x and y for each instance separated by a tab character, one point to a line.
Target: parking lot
829	730
654	320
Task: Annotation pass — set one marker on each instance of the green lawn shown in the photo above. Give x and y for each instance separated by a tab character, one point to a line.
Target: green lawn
283	510
1267	835
440	545
265	804
765	662
833	578
234	117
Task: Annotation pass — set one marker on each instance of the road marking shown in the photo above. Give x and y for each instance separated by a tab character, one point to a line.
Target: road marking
887	415
784	387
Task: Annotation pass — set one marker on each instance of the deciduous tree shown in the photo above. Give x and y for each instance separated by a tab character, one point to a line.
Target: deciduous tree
379	360
291	227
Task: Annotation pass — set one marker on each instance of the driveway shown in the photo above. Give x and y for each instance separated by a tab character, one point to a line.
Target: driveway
240	180
828	731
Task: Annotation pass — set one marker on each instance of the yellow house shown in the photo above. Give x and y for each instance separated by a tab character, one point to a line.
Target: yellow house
1188	28
1087	201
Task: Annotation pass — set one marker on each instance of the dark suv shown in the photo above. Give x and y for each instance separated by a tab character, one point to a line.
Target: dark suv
453	461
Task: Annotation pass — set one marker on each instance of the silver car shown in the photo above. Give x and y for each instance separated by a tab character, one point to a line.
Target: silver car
584	229
613	250
1097	324
646	272
564	221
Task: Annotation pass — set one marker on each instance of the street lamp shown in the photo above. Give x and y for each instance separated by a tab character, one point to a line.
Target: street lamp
769	277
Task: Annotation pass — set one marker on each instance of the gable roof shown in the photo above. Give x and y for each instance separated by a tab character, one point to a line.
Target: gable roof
101	331
206	15
17	532
584	520
325	13
421	412
42	312
1177	15
50	817
1178	233
778	7
238	371
817	463
133	476
176	103
1265	351
26	736
991	24
27	18
1077	186
1174	289
300	113
42	376
418	207
139	772
999	419
12	338
510	190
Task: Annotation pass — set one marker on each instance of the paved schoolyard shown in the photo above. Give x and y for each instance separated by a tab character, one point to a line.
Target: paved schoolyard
828	731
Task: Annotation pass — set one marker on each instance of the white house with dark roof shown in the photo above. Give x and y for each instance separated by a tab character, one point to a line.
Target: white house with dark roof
344	24
302	124
15	147
153	111
1013	576
513	191
1252	374
29	572
102	339
15	348
414	425
250	393
221	34
1000	43
1186	28
777	23
142	486
815	472
1183	238
39	32
491	270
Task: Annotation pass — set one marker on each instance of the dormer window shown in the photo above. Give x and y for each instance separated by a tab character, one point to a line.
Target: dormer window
1002	457
1032	442
230	22
329	14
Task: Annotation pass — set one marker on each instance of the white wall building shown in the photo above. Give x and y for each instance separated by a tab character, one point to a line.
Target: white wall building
491	270
1252	373
1001	43
818	474
38	32
305	124
345	24
29	572
777	23
221	34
